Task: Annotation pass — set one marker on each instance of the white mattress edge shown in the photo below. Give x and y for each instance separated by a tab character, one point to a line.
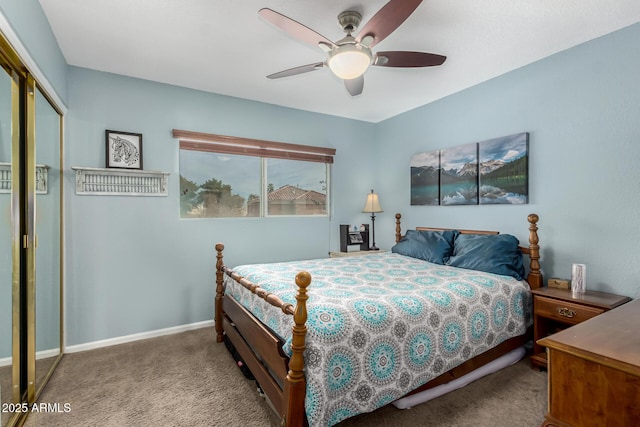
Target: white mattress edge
495	365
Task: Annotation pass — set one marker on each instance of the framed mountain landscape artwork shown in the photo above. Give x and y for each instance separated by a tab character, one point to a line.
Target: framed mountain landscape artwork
425	179
504	170
459	175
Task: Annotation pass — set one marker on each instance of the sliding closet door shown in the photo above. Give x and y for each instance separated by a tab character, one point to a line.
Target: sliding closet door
11	200
48	232
30	237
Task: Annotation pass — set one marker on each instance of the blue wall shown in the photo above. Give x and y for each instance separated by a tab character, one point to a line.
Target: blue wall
582	109
28	21
132	265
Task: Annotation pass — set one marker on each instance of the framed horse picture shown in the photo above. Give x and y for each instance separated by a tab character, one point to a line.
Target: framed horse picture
124	149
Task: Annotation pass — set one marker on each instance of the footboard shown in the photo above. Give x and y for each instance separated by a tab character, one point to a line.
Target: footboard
281	378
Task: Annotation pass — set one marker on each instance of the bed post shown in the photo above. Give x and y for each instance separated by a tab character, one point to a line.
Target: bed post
398	229
219	292
295	384
534	278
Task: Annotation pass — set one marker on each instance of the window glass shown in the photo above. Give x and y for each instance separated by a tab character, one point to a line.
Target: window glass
296	187
214	185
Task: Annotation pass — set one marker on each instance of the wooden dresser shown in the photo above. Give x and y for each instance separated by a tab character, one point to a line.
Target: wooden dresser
594	371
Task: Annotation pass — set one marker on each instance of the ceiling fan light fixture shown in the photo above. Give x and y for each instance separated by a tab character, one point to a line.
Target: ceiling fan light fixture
349	61
349	58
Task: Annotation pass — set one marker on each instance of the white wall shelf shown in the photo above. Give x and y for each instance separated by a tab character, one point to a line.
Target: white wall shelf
120	182
42	178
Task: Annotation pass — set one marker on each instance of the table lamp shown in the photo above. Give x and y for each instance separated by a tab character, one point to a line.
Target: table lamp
372	206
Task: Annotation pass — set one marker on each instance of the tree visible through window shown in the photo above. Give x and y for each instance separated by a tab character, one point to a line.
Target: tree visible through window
214	183
217	186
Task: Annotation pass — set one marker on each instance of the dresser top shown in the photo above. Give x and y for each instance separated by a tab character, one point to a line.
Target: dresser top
611	339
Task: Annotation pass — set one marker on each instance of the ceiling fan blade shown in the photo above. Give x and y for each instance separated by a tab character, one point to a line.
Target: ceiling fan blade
297	70
294	28
355	86
386	20
407	59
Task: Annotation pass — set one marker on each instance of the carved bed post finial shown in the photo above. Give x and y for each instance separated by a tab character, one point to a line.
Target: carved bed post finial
398	228
535	277
295	384
219	292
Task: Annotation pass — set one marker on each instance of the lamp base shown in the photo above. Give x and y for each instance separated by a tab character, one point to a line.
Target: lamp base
374	248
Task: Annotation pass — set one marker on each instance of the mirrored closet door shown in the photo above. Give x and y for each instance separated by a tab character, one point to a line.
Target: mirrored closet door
48	231
30	236
8	84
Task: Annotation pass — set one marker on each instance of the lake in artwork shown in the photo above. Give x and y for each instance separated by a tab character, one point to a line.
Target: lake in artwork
425	178
494	171
459	175
503	167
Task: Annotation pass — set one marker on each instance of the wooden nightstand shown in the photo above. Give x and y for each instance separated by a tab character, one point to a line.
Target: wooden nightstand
557	309
353	253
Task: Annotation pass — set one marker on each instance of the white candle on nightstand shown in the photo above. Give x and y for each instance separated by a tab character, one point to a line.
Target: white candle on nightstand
578	278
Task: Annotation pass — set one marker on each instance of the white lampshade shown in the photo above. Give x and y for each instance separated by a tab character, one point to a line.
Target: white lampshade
349	61
373	204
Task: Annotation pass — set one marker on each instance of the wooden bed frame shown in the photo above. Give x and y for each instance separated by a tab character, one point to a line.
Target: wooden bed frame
282	378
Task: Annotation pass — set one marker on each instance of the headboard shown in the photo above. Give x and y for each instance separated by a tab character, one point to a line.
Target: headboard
532	251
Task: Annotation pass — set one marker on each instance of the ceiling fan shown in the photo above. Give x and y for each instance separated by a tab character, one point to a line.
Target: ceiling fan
350	57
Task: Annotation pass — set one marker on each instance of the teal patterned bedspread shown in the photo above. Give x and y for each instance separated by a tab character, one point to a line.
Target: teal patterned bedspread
381	325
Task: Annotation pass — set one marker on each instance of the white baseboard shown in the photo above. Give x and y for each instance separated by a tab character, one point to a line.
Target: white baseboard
6	361
135	337
43	354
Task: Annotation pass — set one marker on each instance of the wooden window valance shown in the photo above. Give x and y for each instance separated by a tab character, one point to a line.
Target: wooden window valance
199	141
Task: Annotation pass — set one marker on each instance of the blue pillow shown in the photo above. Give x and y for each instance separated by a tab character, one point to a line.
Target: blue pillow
492	253
432	246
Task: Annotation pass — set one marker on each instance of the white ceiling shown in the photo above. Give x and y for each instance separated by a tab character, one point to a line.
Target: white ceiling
223	46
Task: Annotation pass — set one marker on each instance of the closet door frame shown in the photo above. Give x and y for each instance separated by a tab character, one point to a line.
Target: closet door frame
24	240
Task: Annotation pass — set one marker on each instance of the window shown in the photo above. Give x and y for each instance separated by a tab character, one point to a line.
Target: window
296	188
222	176
216	185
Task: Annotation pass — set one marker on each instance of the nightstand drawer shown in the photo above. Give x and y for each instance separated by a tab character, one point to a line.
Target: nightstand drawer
564	311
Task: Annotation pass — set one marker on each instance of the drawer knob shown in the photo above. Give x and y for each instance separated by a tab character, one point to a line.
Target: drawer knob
566	312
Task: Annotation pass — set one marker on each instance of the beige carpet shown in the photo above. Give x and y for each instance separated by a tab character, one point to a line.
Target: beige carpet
42	369
187	379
